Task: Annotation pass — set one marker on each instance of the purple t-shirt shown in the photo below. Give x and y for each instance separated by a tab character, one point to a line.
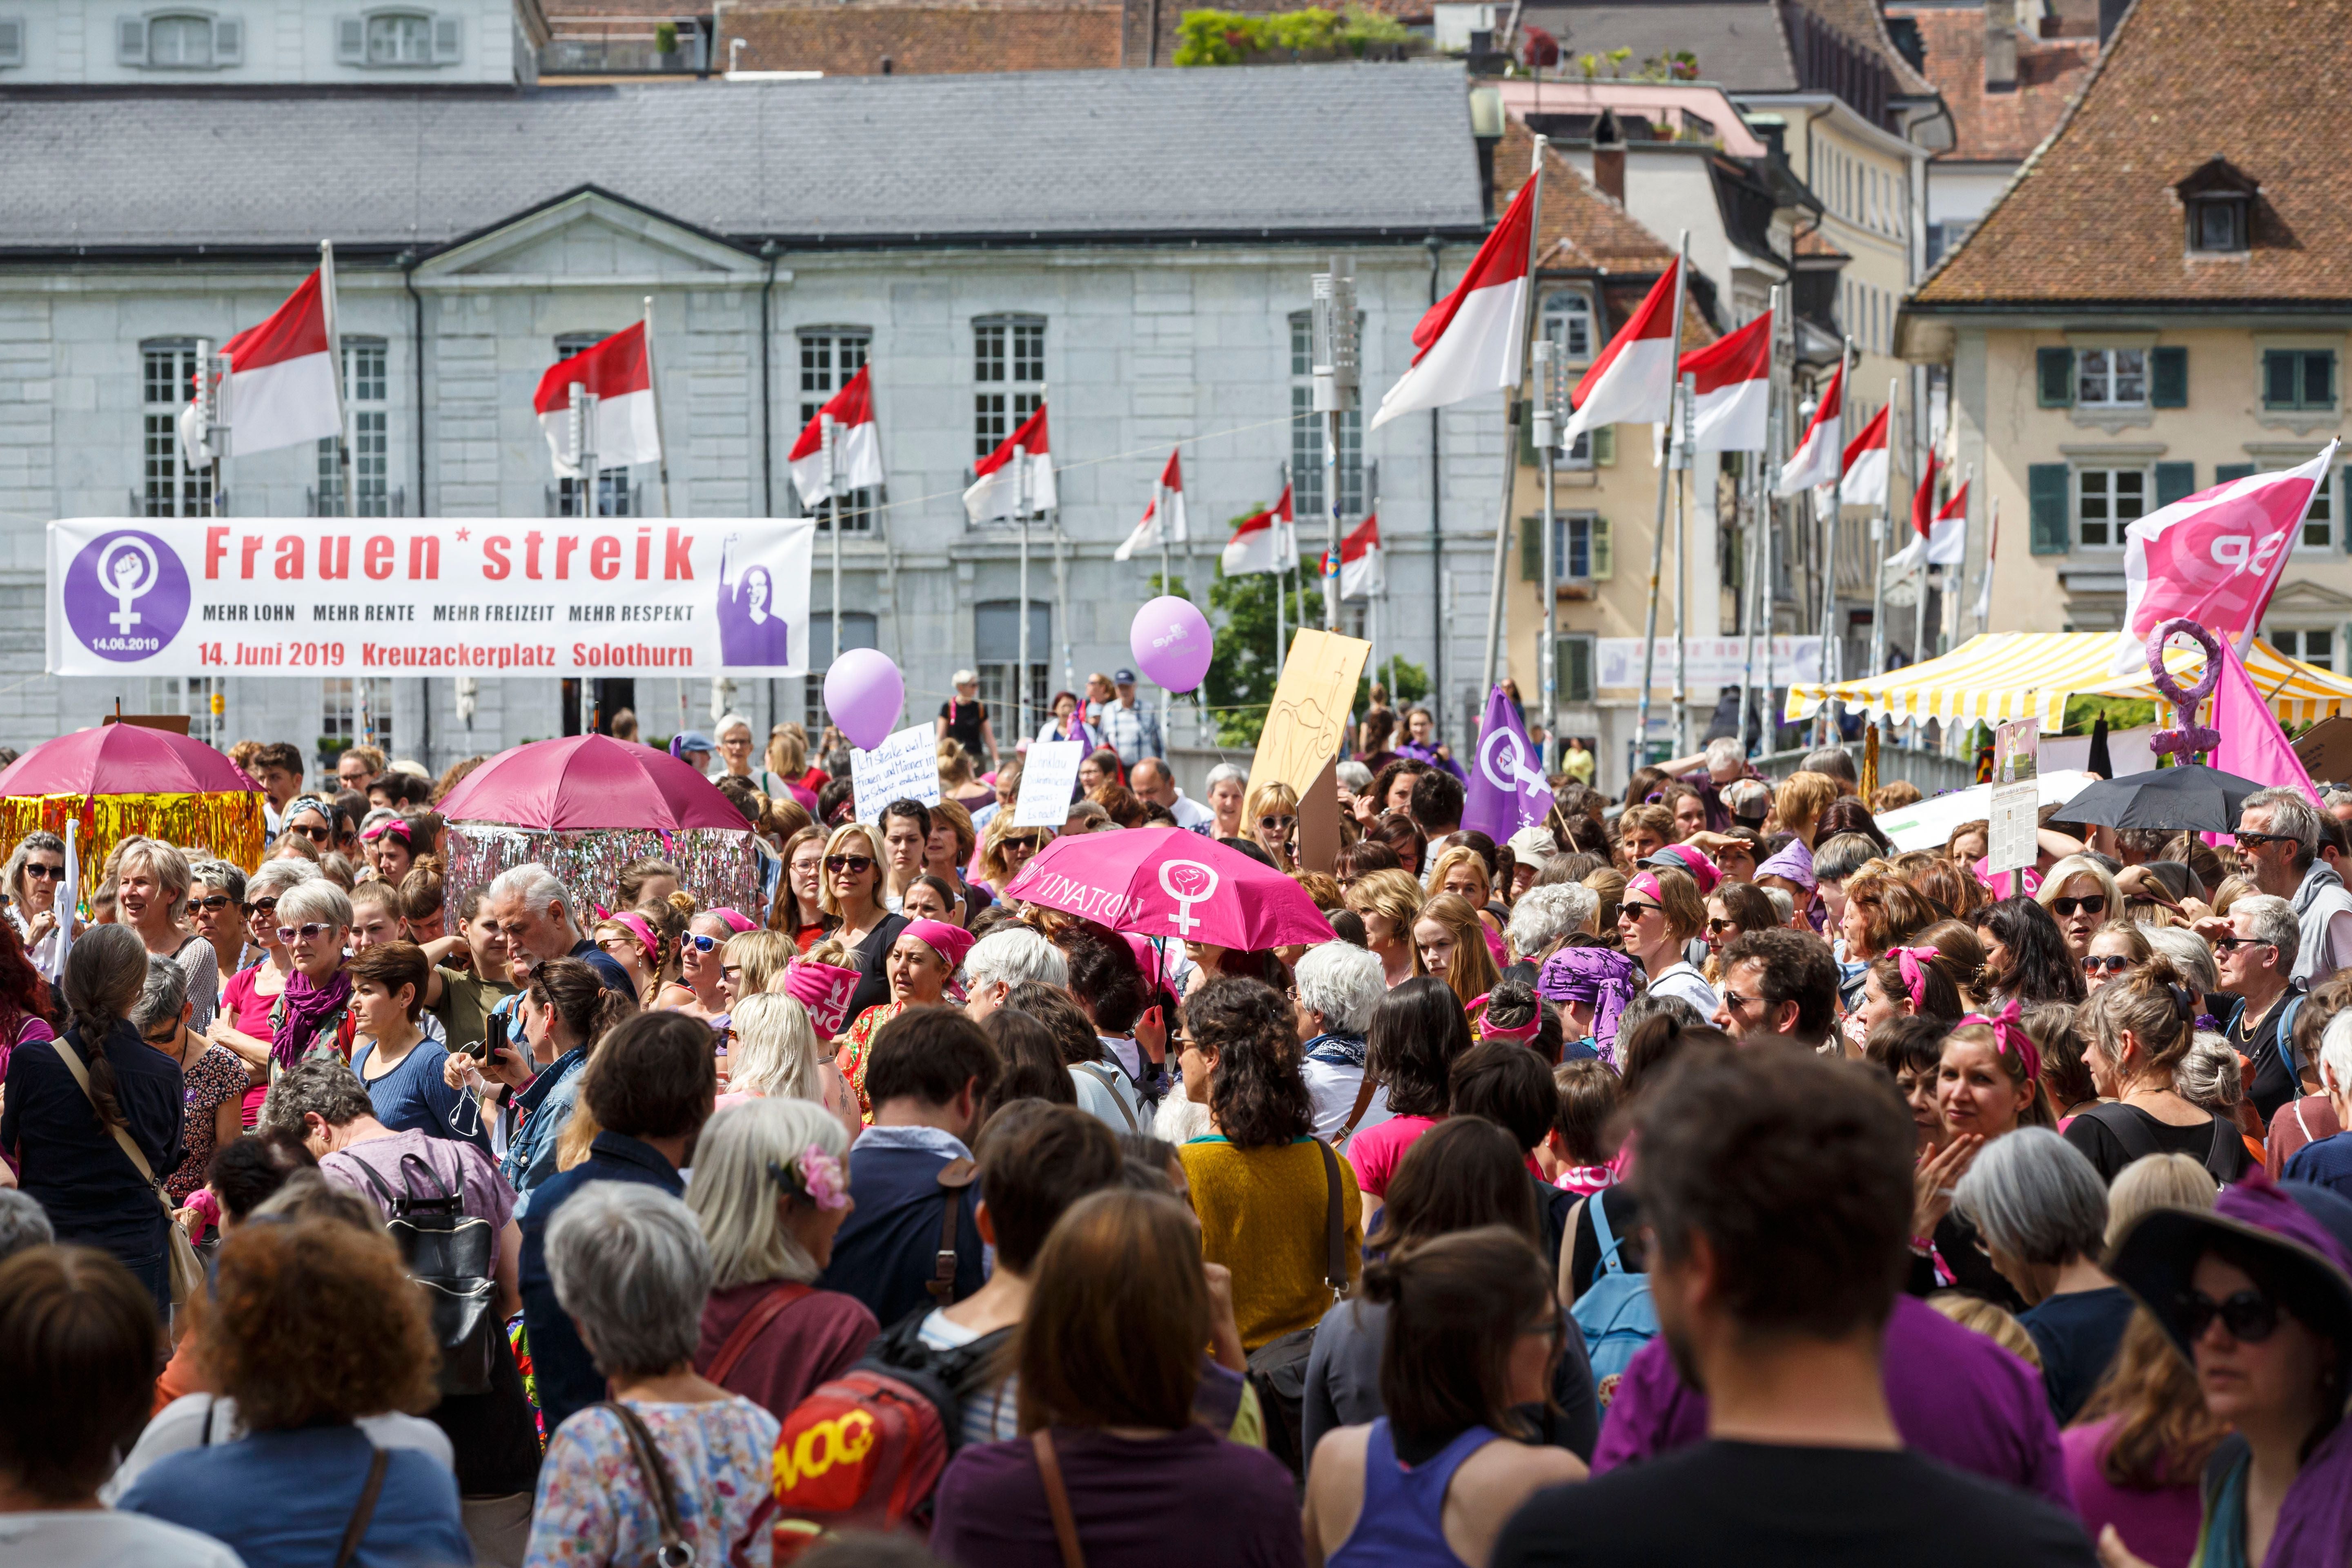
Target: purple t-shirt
1954	1395
2160	1526
456	1163
990	1505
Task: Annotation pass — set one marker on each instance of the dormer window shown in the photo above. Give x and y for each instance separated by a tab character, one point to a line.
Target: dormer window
2219	200
175	41
397	39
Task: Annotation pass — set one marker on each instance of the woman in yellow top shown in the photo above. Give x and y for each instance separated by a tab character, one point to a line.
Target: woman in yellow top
922	961
1261	1182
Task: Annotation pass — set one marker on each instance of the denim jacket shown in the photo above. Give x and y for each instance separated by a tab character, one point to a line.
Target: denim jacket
542	1109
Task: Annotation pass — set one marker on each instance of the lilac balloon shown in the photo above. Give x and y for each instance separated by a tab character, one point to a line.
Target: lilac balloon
1172	642
863	692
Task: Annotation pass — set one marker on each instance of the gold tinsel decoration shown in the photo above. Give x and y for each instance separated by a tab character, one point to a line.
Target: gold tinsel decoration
225	826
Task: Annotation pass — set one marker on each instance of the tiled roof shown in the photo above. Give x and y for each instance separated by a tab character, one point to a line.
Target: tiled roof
1999	127
2093	217
1860	20
1813	242
925	39
1132	155
1738	43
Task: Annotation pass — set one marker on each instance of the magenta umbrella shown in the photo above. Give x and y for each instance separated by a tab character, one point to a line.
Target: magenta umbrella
587	781
124	759
1167	883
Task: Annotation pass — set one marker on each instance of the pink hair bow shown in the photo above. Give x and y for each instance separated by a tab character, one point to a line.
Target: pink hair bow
1490	1030
1914	962
2009	1034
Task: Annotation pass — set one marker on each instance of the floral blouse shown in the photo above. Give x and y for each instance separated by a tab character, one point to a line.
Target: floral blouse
594	1509
857	1050
219	1077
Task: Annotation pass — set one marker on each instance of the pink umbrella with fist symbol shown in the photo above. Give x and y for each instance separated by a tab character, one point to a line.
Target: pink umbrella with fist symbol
1163	882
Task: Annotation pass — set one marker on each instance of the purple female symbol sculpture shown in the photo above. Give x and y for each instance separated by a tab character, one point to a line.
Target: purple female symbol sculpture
2189	737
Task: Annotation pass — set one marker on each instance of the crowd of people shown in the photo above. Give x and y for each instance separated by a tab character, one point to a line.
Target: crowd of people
1695	1173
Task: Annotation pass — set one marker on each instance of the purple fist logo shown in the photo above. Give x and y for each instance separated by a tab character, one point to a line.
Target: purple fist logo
126	595
1187	882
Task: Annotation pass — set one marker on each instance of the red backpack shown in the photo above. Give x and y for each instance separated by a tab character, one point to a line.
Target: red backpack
866	1450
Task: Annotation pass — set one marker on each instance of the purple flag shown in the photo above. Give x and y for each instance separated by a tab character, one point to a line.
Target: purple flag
1507	788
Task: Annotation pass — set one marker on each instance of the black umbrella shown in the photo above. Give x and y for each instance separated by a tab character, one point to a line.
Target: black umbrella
2191	796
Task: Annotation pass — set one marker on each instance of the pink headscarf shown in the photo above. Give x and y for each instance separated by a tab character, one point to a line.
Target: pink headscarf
736	921
1693	860
1490	1030
1647	885
2009	1034
824	989
637	926
1914	962
950	943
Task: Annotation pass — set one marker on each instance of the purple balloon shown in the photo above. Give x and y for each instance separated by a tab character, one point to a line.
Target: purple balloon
863	692
1172	642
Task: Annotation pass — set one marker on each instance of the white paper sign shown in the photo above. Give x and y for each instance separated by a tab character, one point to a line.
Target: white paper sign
1706	661
904	767
1049	772
2012	838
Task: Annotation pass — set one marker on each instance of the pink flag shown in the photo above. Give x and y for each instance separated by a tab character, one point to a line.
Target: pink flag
2252	745
2216	556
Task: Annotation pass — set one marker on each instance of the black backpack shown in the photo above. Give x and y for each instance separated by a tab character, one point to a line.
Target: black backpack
453	1256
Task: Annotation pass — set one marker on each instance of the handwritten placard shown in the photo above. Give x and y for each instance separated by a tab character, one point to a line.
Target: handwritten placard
1049	772
904	767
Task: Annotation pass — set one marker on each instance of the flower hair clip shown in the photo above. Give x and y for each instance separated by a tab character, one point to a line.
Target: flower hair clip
814	1175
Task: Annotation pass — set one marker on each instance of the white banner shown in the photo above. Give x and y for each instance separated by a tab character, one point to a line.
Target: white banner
429	596
1049	774
904	767
1708	662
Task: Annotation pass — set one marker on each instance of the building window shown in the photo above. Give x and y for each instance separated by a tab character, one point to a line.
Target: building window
829	357
1307	499
1580	547
1009	370
2111	378
192	695
858	627
185	42
1572	670
2108	500
400	40
2298	378
365	389
615	497
354	710
170	488
1567	323
2316	648
2217	223
996	646
12	41
2319	519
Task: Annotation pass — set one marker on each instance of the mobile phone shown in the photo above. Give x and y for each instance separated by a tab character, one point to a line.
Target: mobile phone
494	1038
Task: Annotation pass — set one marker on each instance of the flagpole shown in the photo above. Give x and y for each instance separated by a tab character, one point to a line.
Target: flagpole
832	516
1020	516
1166	583
1776	437
1956	582
1279	580
1753	598
652	387
1658	532
1683	436
1373	599
1524	331
1546	416
335	348
1832	661
1878	540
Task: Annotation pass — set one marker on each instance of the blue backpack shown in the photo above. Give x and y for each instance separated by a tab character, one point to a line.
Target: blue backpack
1615	1312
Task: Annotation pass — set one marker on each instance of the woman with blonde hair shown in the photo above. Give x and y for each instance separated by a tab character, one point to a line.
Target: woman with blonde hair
856	871
1607	884
774	1055
771	1190
150	895
1461	870
751	964
1006	848
1389	902
1450	941
787	758
2079	895
1269	818
1799	801
2141	1027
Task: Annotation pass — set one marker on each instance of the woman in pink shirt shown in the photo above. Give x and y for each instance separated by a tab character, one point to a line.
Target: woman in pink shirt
1416	1032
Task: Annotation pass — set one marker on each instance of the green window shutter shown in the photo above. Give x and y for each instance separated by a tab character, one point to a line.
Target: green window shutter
1528	457
2175	481
1530	549
2056	368
2279	369
1604	447
1573	671
2046	485
2224	472
2319	379
2348	500
2170	382
1604	564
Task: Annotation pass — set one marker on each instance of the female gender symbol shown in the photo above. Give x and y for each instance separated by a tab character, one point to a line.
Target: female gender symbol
2188	737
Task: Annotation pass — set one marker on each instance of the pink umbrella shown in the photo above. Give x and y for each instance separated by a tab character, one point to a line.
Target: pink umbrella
124	759
586	782
1167	883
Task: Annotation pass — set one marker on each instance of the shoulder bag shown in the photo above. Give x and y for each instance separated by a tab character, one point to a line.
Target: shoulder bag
1057	1498
676	1551
1278	1367
187	1273
754	1323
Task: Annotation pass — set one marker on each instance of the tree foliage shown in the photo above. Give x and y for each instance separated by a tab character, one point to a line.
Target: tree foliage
1233	37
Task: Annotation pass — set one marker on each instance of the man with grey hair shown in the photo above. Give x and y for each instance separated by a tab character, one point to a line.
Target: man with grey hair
1338	985
535	912
1722	763
2254	952
1154	782
1837	763
2042	1212
1546	916
1003	959
2278	851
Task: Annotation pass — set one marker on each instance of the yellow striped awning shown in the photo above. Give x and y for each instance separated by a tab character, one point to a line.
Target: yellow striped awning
2003	675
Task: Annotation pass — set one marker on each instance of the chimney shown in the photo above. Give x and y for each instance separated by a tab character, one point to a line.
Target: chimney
2110	13
2000	45
1608	156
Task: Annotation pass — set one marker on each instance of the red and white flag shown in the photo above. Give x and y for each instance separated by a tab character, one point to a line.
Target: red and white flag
1864	479
1815	460
999	491
1733	378
1939	535
1473	339
1633	379
856	443
620	373
1361	574
283	384
1146	534
2216	556
1264	541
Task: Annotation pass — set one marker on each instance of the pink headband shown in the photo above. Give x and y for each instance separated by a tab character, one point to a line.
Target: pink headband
1914	962
2009	1034
824	989
1490	1030
950	943
736	922
637	926
397	826
1647	884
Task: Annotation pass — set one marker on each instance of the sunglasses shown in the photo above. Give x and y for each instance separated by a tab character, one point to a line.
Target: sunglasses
2232	943
2266	839
2094	905
166	1040
1717	928
214	901
47	873
2250	1316
2105	964
1020	840
315	834
1277	824
701	943
1630	910
308	931
262	907
849	865
1736	1003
